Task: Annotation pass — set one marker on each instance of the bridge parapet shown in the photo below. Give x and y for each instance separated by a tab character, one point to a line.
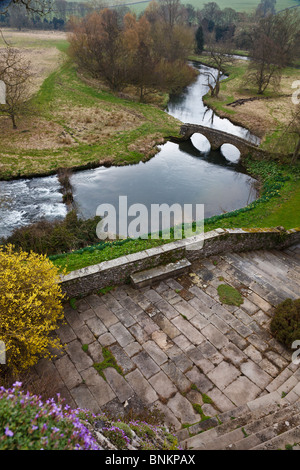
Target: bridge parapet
217	138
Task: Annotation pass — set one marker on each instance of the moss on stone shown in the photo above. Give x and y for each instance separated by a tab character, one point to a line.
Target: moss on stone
229	295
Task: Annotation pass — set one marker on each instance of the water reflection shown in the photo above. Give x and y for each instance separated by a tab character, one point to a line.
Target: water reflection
178	174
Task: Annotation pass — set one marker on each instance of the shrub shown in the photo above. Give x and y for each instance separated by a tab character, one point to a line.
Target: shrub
124	427
285	324
117	436
30	306
26	423
49	238
143	429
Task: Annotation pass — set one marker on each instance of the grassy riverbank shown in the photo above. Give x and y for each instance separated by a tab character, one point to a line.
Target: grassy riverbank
265	115
75	123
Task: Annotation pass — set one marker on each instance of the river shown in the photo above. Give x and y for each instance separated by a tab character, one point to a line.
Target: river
185	173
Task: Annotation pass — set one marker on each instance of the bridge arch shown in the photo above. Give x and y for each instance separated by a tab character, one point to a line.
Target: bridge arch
230	152
217	138
200	142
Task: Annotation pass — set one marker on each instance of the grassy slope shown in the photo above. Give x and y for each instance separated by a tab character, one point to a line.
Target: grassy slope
64	90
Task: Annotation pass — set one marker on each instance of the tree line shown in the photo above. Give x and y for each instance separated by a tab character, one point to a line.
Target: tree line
148	52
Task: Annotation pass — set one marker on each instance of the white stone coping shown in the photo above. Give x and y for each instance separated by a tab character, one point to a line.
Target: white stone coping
161	250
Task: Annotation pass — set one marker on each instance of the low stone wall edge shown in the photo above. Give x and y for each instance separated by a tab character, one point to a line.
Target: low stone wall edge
117	271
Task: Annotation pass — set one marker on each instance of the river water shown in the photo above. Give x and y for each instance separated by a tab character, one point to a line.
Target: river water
185	173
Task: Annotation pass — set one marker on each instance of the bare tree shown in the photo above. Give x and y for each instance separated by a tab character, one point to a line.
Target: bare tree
172	11
273	42
41	7
15	72
220	56
97	46
266	7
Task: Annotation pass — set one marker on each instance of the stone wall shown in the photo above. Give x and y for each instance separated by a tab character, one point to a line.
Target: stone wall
117	271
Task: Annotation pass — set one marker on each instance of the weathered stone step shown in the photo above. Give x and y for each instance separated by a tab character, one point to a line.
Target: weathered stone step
268	427
255	426
283	269
279	380
287	259
240	440
249	430
288	385
267	265
279	442
270	296
233	419
294	394
266	270
293	252
259	277
149	276
265	259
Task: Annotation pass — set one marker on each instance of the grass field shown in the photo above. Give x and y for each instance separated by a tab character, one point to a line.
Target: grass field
74	122
247	5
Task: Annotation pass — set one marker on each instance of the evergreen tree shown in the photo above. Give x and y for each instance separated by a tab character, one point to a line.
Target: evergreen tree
199	40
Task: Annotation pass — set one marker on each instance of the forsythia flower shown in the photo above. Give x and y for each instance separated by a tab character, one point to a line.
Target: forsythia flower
30	306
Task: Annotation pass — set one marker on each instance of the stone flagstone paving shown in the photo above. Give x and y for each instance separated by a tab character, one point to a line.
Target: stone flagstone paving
176	343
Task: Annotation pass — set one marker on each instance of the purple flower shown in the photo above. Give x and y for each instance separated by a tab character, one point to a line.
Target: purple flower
8	432
17	384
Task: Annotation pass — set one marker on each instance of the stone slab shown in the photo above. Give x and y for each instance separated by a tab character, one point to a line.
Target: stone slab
241	391
141	387
118	384
145	364
100	389
68	372
223	375
150	276
163	385
183	409
84	398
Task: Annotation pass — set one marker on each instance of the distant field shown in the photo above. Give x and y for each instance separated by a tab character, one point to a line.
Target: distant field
238	5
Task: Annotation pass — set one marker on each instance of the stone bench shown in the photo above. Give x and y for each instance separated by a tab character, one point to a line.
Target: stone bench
149	276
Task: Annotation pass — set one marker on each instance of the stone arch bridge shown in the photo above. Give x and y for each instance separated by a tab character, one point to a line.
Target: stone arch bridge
217	138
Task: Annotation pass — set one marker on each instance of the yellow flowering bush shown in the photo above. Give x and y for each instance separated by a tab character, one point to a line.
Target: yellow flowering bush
30	306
